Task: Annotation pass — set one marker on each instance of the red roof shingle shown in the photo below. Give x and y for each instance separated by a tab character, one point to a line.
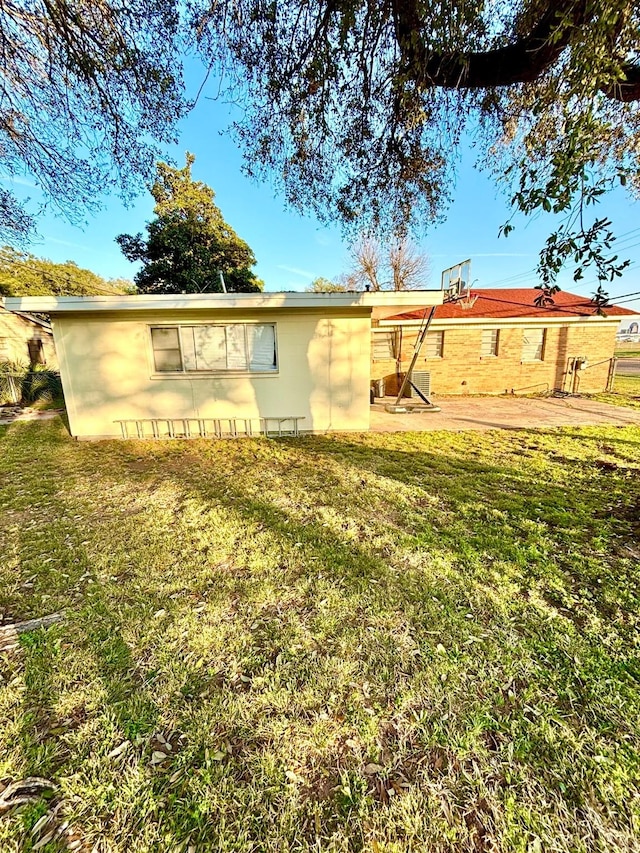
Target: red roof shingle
508	303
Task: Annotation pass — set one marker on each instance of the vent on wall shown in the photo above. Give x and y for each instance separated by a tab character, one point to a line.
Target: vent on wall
422	380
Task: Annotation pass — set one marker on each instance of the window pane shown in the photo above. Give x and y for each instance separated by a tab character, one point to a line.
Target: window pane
165	338
382	345
533	344
433	344
489	345
210	347
167	359
236	348
261	343
166	349
188	348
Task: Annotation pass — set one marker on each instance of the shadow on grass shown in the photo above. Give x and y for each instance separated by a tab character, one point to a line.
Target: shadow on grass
465	557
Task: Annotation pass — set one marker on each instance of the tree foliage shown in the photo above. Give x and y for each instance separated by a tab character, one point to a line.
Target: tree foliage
188	244
23	274
85	89
325	285
362	106
396	265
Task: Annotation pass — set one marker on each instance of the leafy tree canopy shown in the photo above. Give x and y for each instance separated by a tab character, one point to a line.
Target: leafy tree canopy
188	244
23	274
86	89
361	106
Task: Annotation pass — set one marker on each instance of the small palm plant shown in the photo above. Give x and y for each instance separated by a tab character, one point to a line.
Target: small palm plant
24	385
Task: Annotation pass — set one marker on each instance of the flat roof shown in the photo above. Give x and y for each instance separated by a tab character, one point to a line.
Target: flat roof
221	301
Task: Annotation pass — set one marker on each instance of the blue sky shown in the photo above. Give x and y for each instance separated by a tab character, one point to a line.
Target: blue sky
292	250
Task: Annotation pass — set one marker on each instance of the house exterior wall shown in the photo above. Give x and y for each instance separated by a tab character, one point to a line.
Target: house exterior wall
108	373
15	334
462	369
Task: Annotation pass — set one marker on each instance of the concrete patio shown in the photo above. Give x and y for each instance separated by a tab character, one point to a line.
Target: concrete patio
480	413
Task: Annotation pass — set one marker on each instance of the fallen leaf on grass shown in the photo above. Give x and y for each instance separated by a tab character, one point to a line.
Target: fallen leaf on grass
44	840
41	823
119	750
292	776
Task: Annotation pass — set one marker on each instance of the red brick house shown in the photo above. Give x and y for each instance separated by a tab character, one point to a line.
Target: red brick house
498	341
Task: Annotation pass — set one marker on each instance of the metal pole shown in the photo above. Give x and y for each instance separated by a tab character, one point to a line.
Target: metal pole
612	374
416	353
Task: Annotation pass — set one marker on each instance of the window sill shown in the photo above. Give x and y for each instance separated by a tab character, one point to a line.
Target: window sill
212	374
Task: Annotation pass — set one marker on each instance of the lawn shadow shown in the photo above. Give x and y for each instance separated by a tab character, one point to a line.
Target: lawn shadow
422	600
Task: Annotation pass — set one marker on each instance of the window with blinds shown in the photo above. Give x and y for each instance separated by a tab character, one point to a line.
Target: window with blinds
489	343
383	345
434	345
533	344
242	347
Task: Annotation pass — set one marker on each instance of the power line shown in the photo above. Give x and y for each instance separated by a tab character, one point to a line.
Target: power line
620	242
58	276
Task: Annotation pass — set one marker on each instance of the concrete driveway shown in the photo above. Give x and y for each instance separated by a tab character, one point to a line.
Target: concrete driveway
504	413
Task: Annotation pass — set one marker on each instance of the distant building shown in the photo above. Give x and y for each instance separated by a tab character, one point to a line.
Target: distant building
631	332
498	341
26	339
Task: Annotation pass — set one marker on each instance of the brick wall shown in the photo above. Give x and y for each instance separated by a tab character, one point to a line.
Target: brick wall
462	370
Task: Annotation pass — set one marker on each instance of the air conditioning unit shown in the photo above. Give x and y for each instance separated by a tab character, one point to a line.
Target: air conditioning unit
422	380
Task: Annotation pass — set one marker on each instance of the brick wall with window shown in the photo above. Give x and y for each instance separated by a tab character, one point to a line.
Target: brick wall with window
492	359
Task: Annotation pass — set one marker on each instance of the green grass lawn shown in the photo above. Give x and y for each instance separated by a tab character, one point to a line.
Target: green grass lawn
627	350
379	643
625	392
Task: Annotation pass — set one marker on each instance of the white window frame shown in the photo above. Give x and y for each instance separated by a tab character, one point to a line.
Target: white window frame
437	335
492	337
193	373
527	348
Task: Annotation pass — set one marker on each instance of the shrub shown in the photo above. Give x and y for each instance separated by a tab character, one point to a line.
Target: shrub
26	385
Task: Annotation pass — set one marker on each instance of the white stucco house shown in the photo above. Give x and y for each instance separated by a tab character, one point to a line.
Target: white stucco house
216	364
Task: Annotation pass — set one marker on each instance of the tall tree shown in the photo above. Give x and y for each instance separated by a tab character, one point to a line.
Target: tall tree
362	106
188	245
398	265
85	89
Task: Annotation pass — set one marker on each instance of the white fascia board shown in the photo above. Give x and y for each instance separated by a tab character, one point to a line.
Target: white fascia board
502	321
401	298
218	301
